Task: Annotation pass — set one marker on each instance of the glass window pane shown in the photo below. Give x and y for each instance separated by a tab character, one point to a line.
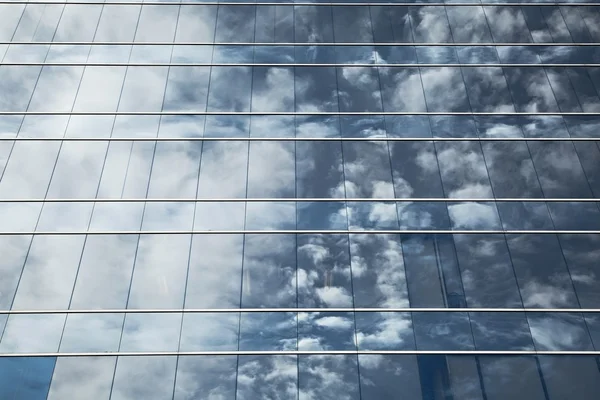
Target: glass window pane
503	32
78	23
78	170
215	271
147	377
14	250
384	331
514	377
65	217
342	373
559	331
443	331
92	333
359	89
196	23
235	24
210	331
105	272
117	23
367	170
268	331
326	331
26	377
143	89
324	278
156	24
378	271
312	158
153	284
422	264
16	85
501	331
541	271
11	14
415	169
580	253
32	333
445	89
56	89
430	24
511	169
469	24
313	24
275	160
531	91
49	273
352	24
385	376
463	169
25	179
571	376
151	332
180	182
269	273
315	88
82	378
223	170
187	89
201	375
264	377
230	89
402	89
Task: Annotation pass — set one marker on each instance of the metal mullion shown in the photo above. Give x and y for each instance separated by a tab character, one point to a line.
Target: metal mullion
307	231
312	199
301	309
308	113
290	44
303	139
308	352
291	65
319	4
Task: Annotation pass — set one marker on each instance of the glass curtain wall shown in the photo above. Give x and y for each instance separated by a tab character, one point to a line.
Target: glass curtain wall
304	201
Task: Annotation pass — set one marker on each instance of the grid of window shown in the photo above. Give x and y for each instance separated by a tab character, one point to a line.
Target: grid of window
302	201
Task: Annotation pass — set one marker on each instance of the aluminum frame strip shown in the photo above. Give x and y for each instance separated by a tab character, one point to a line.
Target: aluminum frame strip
308	232
300	310
306	352
309	44
312	200
299	139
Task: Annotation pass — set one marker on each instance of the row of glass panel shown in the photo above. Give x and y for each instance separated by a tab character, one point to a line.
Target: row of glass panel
305	89
306	331
377	127
306	270
356	216
288	169
365	54
348	377
250	23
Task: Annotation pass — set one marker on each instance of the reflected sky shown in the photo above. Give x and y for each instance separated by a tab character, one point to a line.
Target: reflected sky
395	59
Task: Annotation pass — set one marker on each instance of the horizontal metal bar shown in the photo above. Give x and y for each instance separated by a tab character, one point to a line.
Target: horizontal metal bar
300	310
290	65
311	200
312	44
308	353
307	232
299	139
302	113
319	4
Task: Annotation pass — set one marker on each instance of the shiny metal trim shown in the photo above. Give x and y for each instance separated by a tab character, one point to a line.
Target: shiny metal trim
308	232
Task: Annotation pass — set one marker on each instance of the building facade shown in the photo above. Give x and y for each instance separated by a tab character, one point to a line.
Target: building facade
310	201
